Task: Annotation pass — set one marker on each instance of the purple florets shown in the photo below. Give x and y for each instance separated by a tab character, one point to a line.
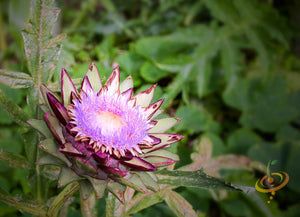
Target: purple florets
110	120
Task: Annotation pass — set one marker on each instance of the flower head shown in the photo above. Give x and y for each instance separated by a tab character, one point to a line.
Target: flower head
106	133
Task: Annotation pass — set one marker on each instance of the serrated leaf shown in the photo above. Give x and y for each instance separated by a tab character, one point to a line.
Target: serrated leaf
197	179
178	204
15	79
41	49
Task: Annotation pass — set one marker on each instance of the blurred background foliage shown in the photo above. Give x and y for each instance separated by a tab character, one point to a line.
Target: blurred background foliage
229	69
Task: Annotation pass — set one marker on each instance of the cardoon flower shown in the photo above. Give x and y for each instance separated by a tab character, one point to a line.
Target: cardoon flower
106	135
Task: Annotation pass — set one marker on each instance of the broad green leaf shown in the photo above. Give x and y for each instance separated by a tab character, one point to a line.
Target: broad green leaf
14	160
241	140
196	179
293	166
151	73
158	48
196	119
259	21
129	62
15	79
218	146
178	204
234	207
265	105
288	133
13	110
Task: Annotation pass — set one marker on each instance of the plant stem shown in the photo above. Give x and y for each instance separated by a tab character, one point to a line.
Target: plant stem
60	200
88	206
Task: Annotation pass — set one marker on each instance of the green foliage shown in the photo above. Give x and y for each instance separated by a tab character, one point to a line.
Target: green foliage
225	67
191	179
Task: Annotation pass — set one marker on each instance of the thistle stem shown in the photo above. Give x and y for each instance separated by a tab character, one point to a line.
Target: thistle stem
60	200
88	205
38	185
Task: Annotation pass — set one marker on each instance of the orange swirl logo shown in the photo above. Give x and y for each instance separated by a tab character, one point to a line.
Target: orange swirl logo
272	182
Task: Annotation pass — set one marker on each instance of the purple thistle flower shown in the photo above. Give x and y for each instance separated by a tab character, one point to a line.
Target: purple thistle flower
106	133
